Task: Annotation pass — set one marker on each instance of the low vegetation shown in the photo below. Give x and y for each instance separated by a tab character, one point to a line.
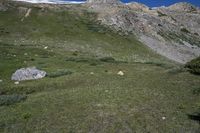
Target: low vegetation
160	14
94	98
11	99
194	66
59	73
185	30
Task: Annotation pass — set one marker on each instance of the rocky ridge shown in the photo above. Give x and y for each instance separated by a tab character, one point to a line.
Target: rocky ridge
170	31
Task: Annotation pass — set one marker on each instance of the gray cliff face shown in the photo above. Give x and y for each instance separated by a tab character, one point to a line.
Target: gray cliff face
172	31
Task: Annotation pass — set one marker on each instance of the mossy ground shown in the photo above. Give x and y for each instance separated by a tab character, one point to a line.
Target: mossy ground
93	98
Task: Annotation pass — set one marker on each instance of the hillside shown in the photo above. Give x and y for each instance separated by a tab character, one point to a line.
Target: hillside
98	78
170	31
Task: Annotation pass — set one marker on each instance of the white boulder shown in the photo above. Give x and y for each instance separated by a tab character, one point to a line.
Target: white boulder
30	73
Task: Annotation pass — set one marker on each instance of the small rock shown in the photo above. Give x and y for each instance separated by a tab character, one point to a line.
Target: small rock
106	91
25	54
46	47
163	118
16	83
28	74
120	73
92	73
1	80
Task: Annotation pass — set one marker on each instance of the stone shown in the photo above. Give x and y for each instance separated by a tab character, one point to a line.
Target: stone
16	83
92	73
120	73
1	80
30	73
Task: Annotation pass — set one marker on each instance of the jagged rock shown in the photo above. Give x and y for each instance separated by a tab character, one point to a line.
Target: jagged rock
138	6
30	73
182	6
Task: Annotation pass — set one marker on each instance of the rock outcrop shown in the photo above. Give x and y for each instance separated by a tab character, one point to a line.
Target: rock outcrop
173	31
182	7
138	6
30	73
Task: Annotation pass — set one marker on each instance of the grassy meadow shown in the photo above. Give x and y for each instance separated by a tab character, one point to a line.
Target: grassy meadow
82	91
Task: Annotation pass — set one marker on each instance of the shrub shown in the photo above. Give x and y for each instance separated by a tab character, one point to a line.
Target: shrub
185	30
194	66
196	34
11	99
107	59
59	73
160	14
196	91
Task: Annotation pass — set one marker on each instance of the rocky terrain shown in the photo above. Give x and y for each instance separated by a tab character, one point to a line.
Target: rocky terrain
170	31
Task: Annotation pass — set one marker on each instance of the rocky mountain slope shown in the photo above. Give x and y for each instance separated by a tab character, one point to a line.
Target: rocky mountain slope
172	31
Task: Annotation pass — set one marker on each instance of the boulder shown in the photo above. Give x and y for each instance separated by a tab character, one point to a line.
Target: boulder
30	73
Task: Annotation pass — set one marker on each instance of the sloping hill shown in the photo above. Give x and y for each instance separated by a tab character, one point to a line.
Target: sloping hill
170	31
83	91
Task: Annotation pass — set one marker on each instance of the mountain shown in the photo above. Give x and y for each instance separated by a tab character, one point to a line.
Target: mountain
170	31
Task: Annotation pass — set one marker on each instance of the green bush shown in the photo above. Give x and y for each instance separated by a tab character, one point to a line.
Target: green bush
185	30
11	99
59	73
107	59
194	66
160	14
196	91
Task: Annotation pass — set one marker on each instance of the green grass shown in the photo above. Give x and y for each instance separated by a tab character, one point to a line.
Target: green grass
59	73
94	98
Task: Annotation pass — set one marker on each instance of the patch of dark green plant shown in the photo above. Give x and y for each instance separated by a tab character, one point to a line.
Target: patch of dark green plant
196	34
6	100
194	66
160	14
156	64
19	90
59	73
108	59
185	30
26	116
196	91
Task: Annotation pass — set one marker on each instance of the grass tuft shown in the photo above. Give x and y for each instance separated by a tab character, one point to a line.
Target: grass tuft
59	73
